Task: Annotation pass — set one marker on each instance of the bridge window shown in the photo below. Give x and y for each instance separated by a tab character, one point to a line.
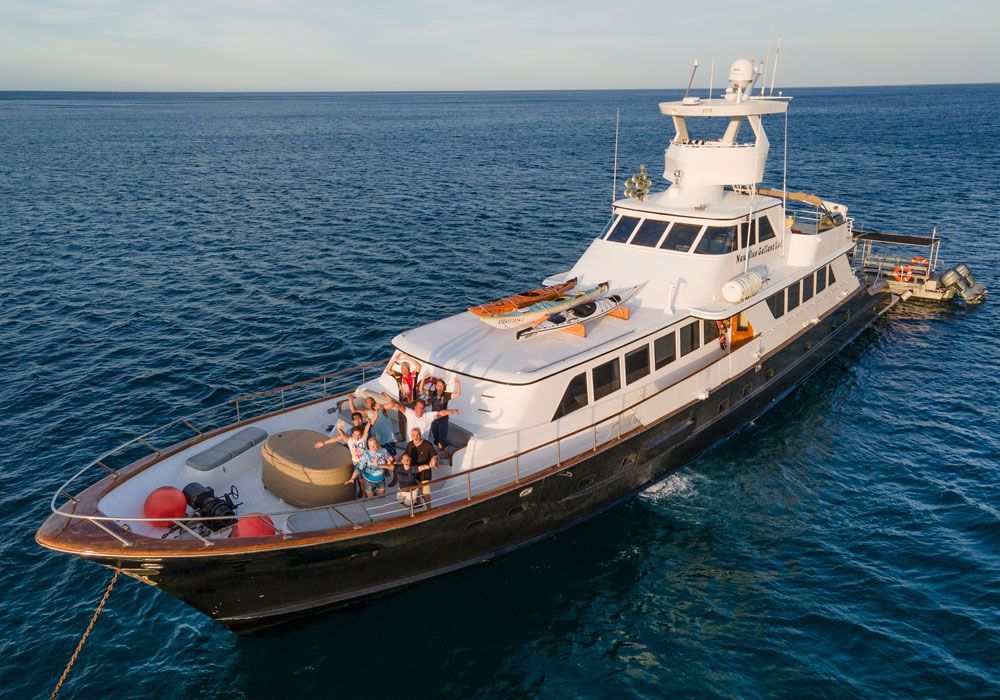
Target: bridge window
636	364
689	338
765	231
807	288
607	226
664	350
747	235
793	294
820	280
623	229
830	279
606	379
776	303
680	237
709	331
717	240
649	233
575	396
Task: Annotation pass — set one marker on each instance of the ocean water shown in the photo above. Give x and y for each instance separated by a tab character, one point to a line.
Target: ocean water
160	253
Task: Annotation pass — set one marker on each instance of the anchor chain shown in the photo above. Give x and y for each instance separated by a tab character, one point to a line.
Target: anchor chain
83	639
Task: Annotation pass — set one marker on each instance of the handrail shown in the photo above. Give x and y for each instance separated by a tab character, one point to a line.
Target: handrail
189	421
465	473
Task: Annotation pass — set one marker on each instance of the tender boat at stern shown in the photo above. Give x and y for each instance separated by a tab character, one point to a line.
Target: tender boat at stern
728	297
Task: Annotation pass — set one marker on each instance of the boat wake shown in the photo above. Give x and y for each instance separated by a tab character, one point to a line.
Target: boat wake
674	486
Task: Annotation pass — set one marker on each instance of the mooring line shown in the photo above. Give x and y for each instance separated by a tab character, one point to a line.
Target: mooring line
83	639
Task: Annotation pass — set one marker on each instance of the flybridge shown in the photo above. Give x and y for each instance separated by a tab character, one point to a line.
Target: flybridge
699	169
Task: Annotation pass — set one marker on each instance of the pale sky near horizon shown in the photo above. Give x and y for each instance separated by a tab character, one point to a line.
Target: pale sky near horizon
306	45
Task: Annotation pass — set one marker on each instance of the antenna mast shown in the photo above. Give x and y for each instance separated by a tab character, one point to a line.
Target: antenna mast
711	79
694	69
774	69
614	175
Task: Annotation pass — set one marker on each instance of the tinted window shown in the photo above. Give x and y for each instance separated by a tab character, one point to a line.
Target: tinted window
636	364
575	396
680	237
689	338
709	331
649	233
793	295
764	230
820	280
607	379
807	288
664	350
717	240
624	228
776	303
744	233
830	278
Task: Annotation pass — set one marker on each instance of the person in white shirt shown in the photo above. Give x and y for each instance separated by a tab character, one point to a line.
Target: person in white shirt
419	417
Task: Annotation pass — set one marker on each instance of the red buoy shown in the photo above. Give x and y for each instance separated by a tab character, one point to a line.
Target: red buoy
253	525
165	502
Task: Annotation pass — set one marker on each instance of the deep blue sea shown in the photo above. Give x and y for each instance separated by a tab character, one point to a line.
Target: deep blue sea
160	253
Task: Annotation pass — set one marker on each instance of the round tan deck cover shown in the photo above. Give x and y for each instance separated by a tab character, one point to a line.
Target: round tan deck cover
297	472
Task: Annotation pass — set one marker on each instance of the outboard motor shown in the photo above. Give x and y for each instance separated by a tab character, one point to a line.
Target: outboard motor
206	504
960	277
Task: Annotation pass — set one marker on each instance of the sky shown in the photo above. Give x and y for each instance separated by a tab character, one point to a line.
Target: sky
317	45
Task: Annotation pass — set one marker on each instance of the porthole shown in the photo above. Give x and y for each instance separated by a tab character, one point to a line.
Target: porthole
723	405
516	510
769	374
476	523
747	389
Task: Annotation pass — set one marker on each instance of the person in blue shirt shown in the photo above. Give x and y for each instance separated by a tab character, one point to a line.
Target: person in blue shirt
372	468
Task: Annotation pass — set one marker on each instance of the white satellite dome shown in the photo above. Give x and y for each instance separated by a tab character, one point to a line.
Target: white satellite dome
741	72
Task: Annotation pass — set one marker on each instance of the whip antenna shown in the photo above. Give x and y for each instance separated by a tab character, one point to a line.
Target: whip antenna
774	68
614	171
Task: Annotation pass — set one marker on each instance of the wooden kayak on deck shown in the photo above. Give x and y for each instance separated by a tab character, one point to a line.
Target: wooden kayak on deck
539	311
519	301
572	320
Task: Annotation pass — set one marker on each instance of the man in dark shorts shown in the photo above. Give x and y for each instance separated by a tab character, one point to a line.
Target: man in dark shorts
423	455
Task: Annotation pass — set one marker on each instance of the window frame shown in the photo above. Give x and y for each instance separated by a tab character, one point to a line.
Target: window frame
560	412
709	332
614	229
808	287
616	379
644	222
645	349
797	286
704	236
657	364
695	337
766	219
778	296
670	231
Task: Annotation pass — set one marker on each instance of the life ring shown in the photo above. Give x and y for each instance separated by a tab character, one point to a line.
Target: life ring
919	261
902	273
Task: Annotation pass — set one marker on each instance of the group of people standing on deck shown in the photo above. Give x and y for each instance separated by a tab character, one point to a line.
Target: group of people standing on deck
423	409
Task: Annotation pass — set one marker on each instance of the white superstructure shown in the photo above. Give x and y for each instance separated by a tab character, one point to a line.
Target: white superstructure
709	249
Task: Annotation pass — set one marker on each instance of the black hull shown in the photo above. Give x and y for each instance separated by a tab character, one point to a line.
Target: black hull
251	590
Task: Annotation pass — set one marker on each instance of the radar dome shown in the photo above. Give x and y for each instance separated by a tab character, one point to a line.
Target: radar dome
741	72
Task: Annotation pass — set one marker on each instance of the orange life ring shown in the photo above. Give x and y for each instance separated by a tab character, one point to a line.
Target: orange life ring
918	261
902	273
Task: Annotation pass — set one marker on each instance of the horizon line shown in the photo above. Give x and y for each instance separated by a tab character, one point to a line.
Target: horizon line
457	90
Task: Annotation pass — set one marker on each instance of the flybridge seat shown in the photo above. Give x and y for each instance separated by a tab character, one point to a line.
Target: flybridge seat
217	455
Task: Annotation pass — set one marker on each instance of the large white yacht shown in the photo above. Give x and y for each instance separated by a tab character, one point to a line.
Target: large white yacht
742	293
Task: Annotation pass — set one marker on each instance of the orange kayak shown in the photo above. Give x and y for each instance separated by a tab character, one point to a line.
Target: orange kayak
518	301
